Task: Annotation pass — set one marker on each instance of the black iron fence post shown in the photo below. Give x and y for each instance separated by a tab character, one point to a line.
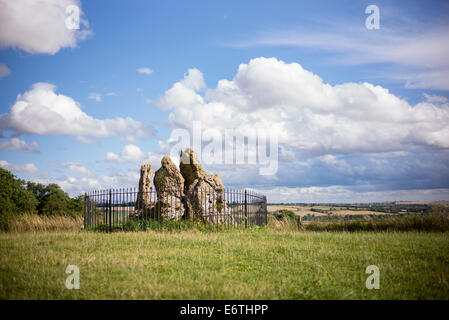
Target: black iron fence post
110	210
246	212
85	211
265	211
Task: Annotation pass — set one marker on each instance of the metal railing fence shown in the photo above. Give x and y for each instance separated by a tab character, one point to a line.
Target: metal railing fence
128	209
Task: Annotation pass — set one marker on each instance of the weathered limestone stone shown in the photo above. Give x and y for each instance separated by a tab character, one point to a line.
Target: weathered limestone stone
190	166
143	203
169	184
205	198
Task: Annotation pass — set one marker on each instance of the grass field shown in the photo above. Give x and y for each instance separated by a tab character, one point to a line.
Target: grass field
258	264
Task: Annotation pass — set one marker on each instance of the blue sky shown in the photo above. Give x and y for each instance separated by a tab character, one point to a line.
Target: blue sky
361	115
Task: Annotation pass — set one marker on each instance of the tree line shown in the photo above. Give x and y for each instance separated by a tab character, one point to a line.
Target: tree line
19	196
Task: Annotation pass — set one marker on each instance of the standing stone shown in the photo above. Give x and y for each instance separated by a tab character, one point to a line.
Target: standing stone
205	198
143	203
169	184
190	166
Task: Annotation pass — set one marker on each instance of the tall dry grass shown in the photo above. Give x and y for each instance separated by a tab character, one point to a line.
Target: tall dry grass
423	223
34	222
285	224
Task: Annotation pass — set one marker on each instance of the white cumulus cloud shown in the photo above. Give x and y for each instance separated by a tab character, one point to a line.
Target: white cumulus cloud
28	168
42	111
15	144
309	116
184	93
132	154
39	26
76	167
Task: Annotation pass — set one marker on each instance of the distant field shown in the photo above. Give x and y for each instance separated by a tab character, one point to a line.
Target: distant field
439	203
258	264
363	212
299	210
305	210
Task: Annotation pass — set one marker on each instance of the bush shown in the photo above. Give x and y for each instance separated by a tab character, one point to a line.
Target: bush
285	214
285	220
5	221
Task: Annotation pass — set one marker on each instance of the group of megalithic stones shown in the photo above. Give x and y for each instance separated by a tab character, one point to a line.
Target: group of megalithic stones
185	193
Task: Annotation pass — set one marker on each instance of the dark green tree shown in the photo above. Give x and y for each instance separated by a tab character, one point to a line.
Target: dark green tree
37	189
19	196
53	201
76	205
14	197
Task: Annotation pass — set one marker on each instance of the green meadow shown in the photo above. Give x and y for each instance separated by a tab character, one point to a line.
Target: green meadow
253	264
